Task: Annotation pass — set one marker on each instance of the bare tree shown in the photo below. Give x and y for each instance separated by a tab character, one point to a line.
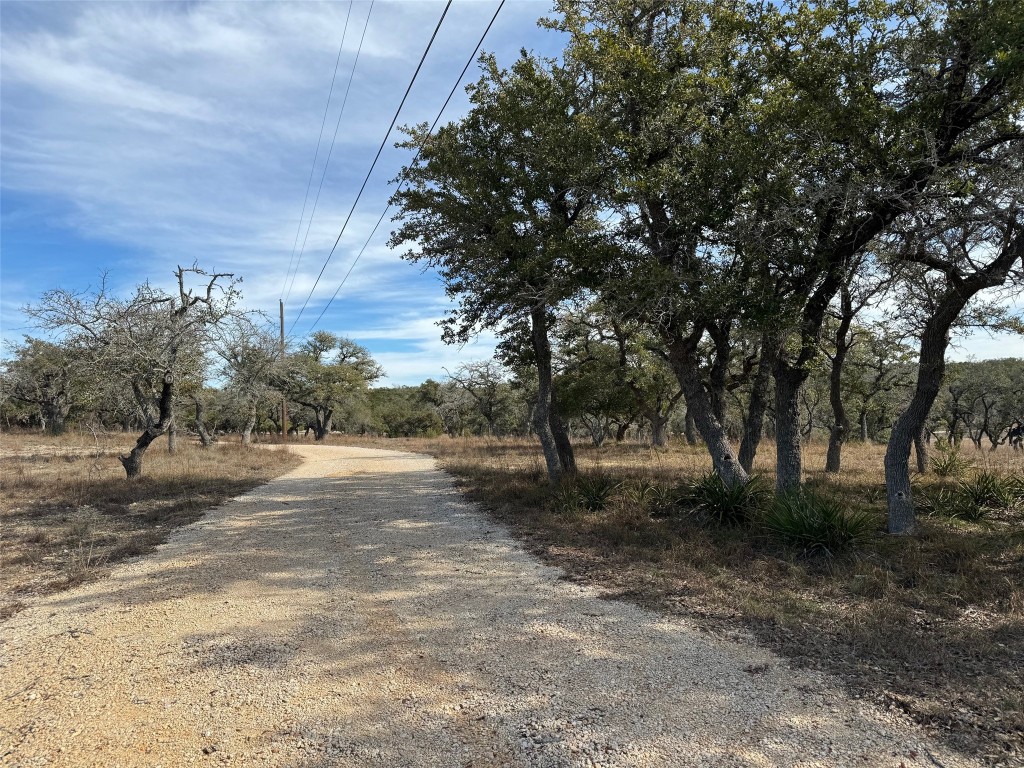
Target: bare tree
149	342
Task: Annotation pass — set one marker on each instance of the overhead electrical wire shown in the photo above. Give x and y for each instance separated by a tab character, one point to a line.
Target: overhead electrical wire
334	138
433	125
373	164
316	154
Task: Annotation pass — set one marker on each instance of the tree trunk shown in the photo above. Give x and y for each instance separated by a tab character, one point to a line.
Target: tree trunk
620	432
54	418
597	431
659	428
689	428
321	423
132	463
247	430
682	357
558	430
921	452
542	409
789	461
205	439
753	427
863	425
172	437
840	421
931	369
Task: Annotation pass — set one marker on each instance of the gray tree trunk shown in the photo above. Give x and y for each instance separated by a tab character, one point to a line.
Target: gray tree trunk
205	438
542	409
682	357
689	428
753	426
840	429
132	462
789	460
921	452
659	428
250	423
561	435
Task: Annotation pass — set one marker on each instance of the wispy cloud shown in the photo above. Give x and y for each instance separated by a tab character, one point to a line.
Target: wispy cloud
185	131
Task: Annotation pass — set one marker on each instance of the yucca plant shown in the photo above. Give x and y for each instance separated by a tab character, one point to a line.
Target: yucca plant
714	500
594	491
818	524
975	497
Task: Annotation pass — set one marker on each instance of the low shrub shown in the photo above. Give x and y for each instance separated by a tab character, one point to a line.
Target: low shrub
818	524
715	501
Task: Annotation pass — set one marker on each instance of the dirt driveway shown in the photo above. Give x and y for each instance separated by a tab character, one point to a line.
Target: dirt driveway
357	612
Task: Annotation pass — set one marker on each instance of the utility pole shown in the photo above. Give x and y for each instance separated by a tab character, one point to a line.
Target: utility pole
284	398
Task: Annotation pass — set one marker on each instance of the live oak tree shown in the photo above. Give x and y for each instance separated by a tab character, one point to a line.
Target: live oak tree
149	343
969	241
327	375
615	372
486	385
760	151
501	204
675	88
250	357
47	377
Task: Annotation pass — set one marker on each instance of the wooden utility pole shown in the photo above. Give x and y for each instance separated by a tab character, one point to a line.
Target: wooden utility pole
284	398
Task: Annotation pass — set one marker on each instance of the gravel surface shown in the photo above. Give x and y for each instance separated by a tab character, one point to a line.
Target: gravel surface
358	612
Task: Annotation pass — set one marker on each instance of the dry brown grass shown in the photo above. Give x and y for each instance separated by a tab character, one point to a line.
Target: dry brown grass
67	513
931	625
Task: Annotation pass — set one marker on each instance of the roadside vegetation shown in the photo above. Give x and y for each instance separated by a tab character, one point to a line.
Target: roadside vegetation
67	514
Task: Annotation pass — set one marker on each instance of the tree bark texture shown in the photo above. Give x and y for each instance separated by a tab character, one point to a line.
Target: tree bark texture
753	426
205	438
789	461
840	429
921	452
172	437
690	428
659	428
250	423
558	430
542	409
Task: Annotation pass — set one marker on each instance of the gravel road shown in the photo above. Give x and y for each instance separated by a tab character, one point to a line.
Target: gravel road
357	612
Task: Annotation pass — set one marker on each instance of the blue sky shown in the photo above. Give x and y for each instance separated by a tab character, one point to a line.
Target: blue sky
140	136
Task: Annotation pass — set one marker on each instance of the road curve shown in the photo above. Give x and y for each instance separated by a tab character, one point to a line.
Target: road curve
357	612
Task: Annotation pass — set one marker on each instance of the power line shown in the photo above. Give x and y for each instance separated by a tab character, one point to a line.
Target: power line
334	138
419	149
316	154
373	164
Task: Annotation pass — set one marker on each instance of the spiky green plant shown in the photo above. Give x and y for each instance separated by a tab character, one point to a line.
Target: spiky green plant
716	501
818	524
